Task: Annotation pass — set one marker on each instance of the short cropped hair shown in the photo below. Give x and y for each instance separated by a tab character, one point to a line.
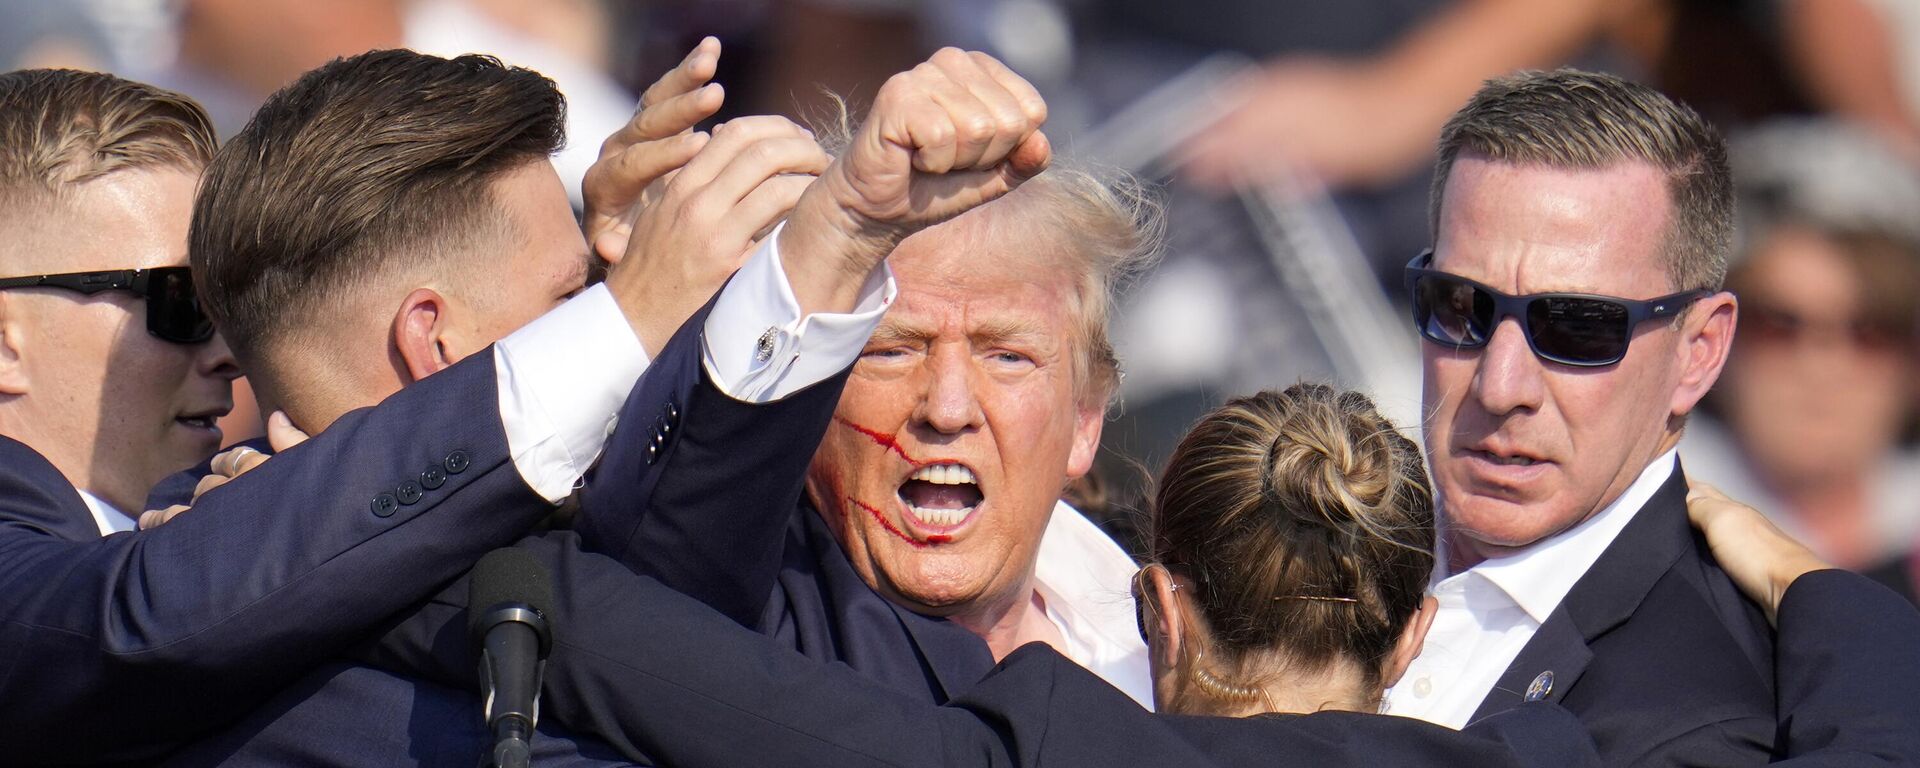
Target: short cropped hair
63	127
365	165
1584	120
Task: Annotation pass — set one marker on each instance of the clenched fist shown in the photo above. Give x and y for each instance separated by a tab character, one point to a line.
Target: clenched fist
952	133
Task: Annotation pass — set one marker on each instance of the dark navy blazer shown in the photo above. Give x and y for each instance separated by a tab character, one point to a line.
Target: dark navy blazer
696	689
402	719
1655	650
120	647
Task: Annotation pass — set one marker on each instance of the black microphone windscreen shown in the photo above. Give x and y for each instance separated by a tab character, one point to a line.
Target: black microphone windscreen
507	576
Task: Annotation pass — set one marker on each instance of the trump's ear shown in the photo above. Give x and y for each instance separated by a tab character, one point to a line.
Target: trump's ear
419	331
1706	338
13	364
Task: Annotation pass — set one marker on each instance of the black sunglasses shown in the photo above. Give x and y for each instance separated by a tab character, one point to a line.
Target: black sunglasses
173	309
1567	328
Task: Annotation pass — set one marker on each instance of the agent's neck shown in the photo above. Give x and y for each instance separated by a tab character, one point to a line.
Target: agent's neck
1340	687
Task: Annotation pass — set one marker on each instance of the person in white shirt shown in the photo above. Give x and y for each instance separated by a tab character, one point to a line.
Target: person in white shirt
107	367
1573	317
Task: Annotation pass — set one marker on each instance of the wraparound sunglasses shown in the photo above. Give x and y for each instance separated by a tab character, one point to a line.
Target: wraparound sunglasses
173	309
1566	328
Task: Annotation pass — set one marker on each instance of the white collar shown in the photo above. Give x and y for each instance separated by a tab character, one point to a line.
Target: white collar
1540	576
108	517
1086	582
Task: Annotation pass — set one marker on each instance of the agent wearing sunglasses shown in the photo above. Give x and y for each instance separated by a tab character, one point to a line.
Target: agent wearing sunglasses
1572	317
107	366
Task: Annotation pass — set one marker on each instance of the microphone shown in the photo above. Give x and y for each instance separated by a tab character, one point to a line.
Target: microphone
509	610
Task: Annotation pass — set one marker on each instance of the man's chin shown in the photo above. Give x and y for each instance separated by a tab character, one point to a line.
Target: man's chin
933	597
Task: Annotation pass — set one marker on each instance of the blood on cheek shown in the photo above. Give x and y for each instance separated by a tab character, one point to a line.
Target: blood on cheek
889	442
879	438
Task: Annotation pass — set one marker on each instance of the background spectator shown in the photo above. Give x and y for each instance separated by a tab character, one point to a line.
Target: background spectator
1816	412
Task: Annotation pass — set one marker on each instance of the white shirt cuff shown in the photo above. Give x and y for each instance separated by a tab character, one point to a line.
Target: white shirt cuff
759	349
562	380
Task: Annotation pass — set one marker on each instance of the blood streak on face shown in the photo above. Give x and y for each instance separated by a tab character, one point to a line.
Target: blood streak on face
882	439
884	523
888	442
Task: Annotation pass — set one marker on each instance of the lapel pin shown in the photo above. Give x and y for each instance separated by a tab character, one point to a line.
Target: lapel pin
1540	687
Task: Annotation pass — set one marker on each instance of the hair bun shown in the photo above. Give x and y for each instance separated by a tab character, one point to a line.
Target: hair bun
1333	448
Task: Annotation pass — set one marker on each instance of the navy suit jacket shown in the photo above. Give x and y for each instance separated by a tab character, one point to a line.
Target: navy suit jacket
121	647
719	515
1655	650
662	677
696	689
403	719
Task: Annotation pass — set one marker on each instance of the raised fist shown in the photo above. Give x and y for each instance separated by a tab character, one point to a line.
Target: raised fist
952	133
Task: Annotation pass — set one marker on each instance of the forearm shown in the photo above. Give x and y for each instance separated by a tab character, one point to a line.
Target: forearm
1847	668
711	454
140	640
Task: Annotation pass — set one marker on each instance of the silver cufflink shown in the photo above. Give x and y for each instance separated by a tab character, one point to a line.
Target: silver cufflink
763	351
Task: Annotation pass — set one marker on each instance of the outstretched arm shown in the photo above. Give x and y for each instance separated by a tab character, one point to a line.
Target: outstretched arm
1847	650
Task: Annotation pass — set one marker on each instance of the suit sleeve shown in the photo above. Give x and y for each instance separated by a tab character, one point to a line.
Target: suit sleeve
702	473
662	678
115	648
1848	670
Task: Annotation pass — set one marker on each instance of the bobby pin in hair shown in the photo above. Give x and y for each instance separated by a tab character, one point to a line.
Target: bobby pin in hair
1318	598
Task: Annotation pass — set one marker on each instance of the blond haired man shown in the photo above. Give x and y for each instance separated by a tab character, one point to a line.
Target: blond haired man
107	366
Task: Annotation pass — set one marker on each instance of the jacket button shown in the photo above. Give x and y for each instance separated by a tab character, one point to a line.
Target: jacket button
673	411
653	454
384	505
408	493
457	462
433	478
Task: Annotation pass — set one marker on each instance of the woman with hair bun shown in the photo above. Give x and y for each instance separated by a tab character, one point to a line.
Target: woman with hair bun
1291	540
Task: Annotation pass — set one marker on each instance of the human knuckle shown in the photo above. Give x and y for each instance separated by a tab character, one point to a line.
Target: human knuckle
976	128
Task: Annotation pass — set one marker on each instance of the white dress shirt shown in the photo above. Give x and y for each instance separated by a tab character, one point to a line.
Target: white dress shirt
1086	582
107	516
1489	612
564	376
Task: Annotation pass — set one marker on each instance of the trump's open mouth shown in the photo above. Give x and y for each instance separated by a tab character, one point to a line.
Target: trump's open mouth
940	496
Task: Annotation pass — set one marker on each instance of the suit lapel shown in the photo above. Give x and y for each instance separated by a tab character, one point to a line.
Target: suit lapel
59	511
1552	661
957	657
1602	599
